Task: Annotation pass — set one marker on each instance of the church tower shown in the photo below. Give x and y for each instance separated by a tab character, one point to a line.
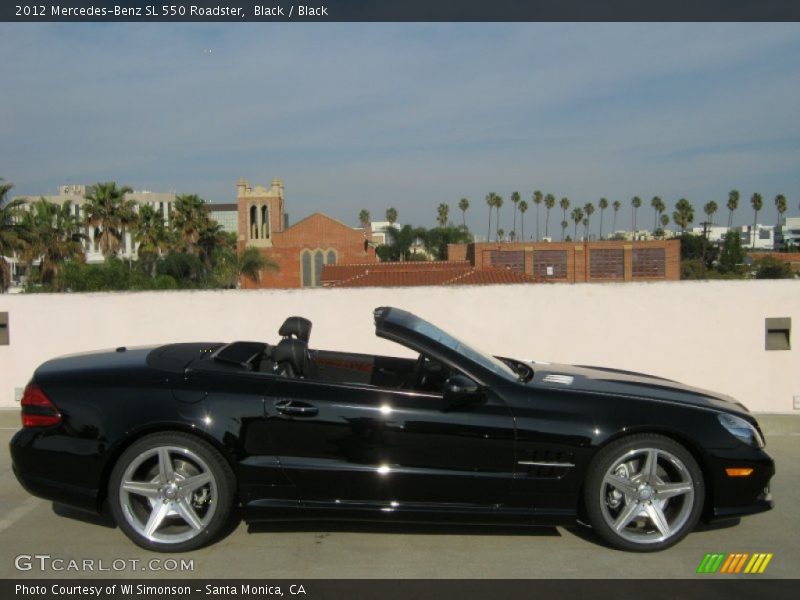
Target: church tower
261	212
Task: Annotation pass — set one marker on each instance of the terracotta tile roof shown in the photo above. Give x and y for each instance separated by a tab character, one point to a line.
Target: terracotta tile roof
417	274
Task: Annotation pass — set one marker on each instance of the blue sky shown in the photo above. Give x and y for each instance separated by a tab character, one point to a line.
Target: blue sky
355	116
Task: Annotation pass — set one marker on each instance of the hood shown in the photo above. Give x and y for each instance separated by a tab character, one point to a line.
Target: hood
617	382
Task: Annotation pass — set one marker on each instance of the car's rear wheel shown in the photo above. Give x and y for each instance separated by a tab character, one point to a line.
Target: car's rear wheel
171	492
644	493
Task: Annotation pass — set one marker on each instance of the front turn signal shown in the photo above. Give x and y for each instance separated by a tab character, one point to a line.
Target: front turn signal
739	472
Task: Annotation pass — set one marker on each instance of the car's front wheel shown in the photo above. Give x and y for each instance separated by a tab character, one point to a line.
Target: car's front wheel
171	492
644	493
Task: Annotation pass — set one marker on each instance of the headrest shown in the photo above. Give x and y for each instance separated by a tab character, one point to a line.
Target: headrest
294	352
296	326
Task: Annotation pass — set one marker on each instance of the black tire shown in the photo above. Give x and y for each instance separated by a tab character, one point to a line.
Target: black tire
636	508
178	494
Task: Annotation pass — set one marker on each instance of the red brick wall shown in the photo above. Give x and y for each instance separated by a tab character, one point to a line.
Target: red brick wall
315	232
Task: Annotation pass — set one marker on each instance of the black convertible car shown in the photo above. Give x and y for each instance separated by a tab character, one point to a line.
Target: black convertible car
171	439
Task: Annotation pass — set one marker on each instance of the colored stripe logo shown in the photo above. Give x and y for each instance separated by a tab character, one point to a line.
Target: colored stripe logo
735	563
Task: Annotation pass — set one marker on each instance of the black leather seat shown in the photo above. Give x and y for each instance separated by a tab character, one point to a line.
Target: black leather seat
298	327
291	358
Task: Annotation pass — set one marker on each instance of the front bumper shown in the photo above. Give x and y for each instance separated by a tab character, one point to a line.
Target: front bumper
739	496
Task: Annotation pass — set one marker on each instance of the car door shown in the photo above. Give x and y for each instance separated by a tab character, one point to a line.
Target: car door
359	443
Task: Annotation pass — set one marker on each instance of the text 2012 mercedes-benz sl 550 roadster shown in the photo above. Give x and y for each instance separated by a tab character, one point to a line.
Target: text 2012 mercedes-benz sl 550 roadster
171	439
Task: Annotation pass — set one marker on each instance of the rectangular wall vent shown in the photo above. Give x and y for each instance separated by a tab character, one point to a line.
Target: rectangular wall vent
778	333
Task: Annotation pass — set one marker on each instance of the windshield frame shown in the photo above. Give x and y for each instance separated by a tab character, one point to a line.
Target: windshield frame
410	330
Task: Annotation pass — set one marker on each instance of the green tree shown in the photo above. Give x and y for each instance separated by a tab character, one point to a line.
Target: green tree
564	225
603	204
151	237
616	206
636	202
769	267
588	209
564	204
491	198
498	204
549	203
108	212
732	204
664	220
52	237
683	214
731	258
658	207
437	240
577	217
710	208
523	208
10	240
515	198
391	213
780	206
363	218
757	203
190	216
442	213
537	200
399	243
463	204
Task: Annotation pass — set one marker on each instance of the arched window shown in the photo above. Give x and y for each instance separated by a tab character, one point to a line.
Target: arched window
264	221
253	222
319	259
305	269
331	258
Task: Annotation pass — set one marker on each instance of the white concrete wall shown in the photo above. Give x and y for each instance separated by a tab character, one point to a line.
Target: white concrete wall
708	334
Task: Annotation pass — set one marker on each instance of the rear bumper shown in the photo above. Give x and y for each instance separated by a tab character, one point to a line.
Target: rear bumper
30	463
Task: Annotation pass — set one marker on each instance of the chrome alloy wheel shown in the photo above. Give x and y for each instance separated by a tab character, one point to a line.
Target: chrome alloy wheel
647	495
168	494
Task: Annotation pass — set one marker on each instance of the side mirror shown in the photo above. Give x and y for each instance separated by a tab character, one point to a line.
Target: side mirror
461	391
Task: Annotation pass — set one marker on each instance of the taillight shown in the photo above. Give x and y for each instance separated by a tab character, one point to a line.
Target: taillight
37	409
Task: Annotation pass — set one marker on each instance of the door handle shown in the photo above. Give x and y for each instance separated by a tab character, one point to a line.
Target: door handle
297	409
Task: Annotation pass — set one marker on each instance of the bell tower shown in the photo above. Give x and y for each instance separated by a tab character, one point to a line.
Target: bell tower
261	212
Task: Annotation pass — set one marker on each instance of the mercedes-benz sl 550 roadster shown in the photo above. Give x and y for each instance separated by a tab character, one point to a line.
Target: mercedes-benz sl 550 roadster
173	440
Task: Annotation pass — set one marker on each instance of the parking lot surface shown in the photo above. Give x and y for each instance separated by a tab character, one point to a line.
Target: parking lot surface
298	550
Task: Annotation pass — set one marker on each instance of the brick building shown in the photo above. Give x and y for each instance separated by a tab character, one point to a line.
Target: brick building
576	262
300	250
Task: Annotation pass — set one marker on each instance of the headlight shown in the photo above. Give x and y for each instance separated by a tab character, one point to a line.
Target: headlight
741	429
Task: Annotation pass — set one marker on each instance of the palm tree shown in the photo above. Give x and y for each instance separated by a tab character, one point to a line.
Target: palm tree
564	204
53	237
463	204
549	202
684	214
391	215
603	204
442	212
515	198
616	206
490	200
498	204
780	206
501	235
758	203
636	202
664	220
151	238
537	200
710	208
523	208
564	225
363	218
588	208
733	204
10	240
577	216
251	262
190	216
658	208
107	212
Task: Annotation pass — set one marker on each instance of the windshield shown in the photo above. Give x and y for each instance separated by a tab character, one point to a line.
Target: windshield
485	360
